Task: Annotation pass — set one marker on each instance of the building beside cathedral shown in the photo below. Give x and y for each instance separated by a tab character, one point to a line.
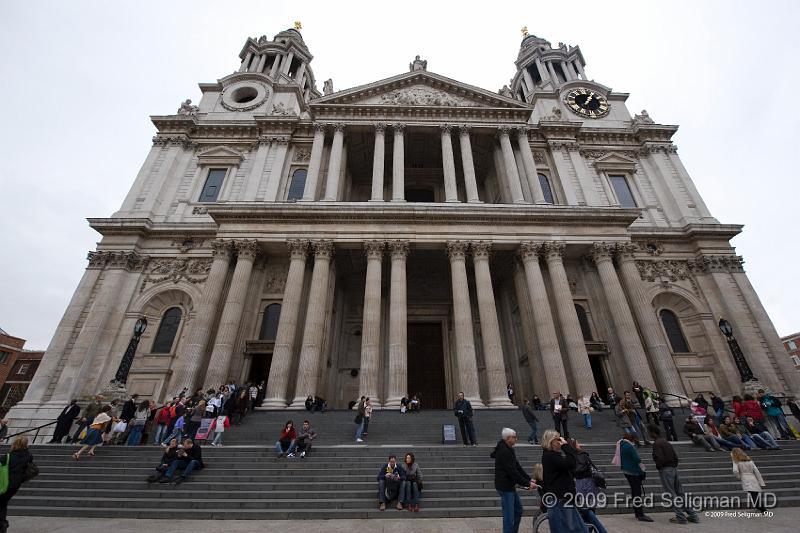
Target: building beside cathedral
412	235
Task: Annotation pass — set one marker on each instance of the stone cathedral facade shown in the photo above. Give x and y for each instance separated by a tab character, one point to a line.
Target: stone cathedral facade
412	235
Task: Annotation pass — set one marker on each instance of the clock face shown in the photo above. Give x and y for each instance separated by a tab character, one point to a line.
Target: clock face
587	103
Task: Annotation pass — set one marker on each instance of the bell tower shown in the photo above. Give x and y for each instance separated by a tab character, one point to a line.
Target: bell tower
540	67
285	60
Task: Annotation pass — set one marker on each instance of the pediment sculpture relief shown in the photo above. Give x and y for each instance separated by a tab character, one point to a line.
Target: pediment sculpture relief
422	96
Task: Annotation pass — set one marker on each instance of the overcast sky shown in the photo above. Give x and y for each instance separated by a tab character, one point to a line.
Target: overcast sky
80	79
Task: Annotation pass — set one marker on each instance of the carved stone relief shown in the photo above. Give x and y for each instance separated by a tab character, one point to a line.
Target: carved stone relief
176	269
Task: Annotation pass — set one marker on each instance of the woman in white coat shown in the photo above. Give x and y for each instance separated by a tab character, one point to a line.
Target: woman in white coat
585	408
747	472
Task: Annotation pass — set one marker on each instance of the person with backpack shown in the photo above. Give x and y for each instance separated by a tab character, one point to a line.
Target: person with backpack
774	410
16	463
667	419
666	461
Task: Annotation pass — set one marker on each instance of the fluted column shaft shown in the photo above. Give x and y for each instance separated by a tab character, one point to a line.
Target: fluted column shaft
530	166
543	318
377	163
470	183
205	313
282	353
490	327
448	166
309	369
219	364
371	325
398	326
314	163
635	358
398	165
669	380
335	165
582	377
510	164
462	316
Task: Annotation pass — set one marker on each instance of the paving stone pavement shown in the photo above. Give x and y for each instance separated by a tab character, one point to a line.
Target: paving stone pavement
784	519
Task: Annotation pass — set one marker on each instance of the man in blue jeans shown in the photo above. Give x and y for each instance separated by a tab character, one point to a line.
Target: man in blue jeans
507	475
533	422
190	458
390	477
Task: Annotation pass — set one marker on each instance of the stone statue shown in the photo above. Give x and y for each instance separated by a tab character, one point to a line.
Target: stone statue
262	39
418	64
187	108
281	109
505	91
643	118
555	114
327	87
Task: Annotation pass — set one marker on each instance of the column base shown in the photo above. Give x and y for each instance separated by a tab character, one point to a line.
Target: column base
453	201
519	202
392	403
377	200
476	403
474	201
274	403
501	402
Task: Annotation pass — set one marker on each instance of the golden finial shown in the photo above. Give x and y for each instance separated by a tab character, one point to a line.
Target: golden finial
298	25
524	31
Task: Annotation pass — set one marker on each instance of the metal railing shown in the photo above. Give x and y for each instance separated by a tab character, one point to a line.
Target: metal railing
36	429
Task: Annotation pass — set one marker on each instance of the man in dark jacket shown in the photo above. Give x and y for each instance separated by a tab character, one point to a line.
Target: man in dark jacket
507	475
463	411
390	476
64	421
696	434
559	409
612	397
666	416
189	459
533	422
666	461
129	409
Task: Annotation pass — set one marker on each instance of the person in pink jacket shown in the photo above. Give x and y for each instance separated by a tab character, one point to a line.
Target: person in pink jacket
218	427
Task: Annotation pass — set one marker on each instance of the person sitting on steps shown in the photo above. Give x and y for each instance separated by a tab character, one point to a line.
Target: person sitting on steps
411	487
170	454
305	438
390	478
696	434
189	458
287	441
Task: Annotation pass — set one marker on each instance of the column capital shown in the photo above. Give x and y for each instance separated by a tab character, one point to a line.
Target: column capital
554	250
320	127
464	129
380	127
457	249
626	250
221	249
246	248
503	131
374	249
602	251
338	127
399	249
446	128
298	249
522	132
322	249
529	250
398	127
481	249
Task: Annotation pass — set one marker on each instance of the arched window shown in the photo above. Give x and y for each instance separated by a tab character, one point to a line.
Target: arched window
583	320
547	191
297	185
167	330
672	327
269	325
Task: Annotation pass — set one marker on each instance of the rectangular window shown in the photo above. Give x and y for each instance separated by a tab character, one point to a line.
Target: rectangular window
23	369
547	191
792	345
622	190
796	360
213	185
4	357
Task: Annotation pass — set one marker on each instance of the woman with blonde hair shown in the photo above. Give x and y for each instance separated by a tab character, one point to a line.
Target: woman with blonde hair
558	464
17	460
747	472
94	435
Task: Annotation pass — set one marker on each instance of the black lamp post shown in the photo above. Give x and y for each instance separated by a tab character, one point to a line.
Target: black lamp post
741	363
127	360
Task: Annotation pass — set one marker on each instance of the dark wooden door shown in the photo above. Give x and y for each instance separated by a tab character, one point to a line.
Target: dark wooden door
259	369
426	365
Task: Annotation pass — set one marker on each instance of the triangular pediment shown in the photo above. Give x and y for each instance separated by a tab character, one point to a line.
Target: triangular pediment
219	155
614	160
420	89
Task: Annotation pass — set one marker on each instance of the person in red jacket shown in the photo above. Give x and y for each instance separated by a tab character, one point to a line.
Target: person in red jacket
162	422
218	426
751	408
287	441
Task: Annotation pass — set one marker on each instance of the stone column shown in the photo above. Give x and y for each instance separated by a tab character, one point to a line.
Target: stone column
314	163
542	71
334	165
298	77
371	328
261	60
470	183
283	352
490	327
377	163
46	372
229	322
398	165
567	71
510	164
247	58
580	69
529	83
308	371
543	318
205	312
462	316
635	358
581	369
398	326
448	165
530	166
281	145
249	192
669	380
553	75
286	64
273	72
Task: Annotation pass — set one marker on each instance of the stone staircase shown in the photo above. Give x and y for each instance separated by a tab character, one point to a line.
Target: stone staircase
338	479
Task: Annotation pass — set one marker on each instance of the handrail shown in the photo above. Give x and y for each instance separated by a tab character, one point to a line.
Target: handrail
36	429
